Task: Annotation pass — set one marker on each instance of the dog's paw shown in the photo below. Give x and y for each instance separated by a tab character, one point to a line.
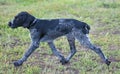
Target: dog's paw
64	61
18	63
107	62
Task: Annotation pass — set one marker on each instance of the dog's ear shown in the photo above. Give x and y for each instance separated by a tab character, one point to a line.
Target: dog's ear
28	21
88	27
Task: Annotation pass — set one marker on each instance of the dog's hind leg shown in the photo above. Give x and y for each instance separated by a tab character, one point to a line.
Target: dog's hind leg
71	41
84	40
57	53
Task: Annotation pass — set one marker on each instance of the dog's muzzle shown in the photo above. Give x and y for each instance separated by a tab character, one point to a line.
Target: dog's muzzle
10	24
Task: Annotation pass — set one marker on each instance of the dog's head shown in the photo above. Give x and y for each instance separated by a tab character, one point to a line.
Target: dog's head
22	19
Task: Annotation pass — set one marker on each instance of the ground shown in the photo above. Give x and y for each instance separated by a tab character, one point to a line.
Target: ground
102	15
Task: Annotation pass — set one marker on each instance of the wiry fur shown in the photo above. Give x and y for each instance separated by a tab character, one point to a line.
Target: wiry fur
43	30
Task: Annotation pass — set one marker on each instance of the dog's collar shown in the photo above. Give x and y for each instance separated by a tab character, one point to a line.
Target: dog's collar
32	24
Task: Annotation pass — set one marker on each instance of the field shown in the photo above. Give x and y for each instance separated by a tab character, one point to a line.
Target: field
102	15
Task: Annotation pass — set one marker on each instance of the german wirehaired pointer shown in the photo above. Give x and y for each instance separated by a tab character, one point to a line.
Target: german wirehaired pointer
47	30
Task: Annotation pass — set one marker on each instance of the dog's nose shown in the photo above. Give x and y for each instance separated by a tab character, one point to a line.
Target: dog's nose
9	24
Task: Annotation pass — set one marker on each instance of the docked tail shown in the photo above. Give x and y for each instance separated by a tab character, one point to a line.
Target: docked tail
83	26
86	28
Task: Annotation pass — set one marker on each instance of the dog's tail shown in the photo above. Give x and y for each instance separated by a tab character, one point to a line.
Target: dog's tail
83	26
86	28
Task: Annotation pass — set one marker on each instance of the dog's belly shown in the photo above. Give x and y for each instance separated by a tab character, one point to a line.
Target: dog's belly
50	36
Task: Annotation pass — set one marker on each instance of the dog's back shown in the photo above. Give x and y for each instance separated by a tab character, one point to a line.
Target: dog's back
62	25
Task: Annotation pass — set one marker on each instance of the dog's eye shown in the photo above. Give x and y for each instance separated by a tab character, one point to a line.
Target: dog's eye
16	18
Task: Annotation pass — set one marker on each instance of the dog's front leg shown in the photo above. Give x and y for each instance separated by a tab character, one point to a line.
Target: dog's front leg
57	53
35	37
32	47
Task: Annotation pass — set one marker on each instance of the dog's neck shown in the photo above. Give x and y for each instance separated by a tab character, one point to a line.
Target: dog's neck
32	23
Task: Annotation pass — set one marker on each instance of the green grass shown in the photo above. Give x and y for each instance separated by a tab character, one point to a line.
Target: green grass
103	17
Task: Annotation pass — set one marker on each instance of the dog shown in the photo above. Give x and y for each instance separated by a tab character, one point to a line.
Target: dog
47	30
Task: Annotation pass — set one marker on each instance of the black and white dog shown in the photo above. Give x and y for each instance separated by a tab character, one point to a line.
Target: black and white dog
44	30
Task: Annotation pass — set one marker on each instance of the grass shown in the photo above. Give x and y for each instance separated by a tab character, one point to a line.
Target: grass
103	17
